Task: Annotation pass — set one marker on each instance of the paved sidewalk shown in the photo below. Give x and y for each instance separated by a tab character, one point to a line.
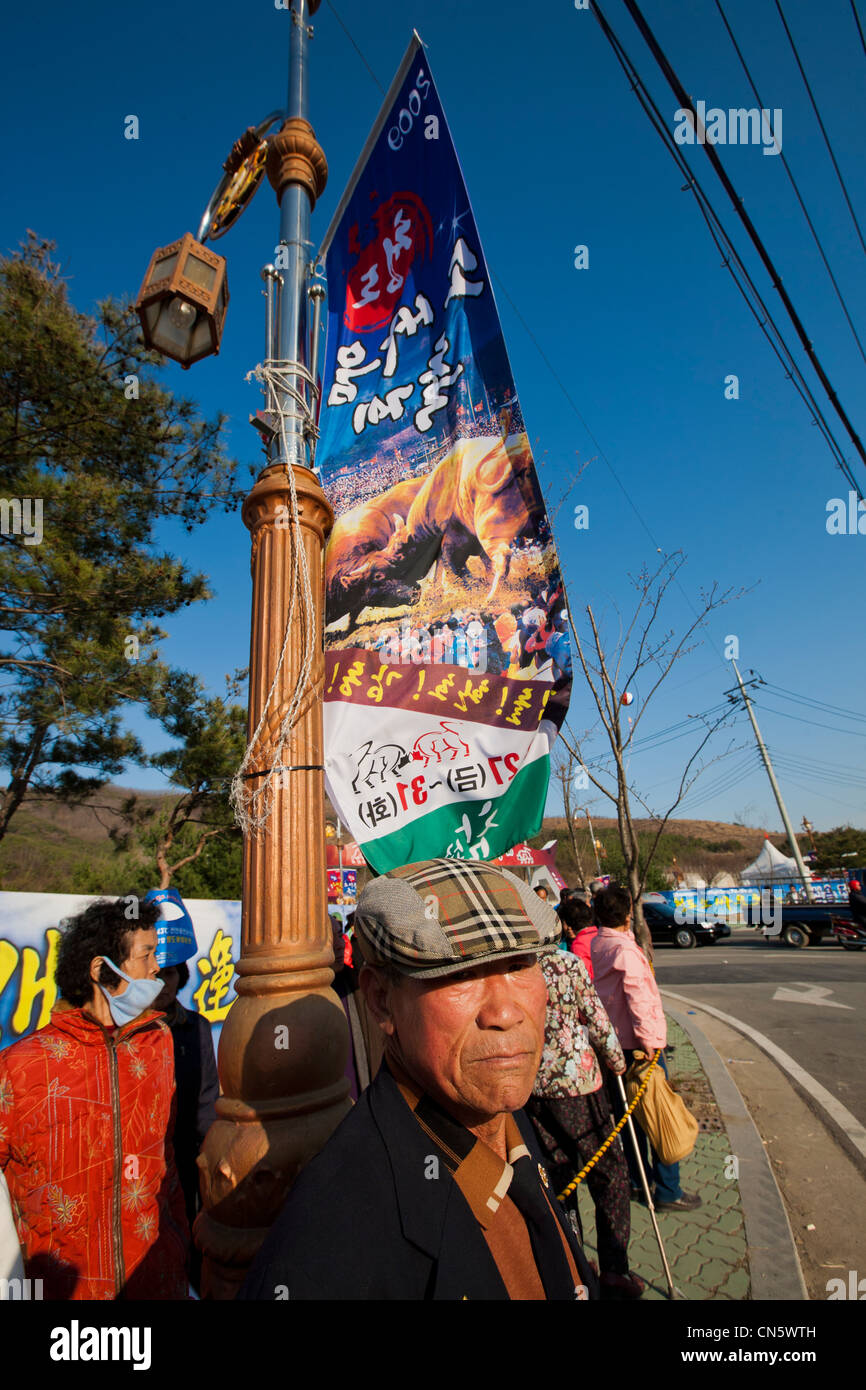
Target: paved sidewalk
706	1249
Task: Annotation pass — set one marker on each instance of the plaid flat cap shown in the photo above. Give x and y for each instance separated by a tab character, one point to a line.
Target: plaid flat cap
445	915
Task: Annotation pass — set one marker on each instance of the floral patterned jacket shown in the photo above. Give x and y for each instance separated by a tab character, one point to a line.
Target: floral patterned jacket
86	1117
577	1026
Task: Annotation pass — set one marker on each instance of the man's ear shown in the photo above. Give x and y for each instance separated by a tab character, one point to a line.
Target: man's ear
376	991
95	967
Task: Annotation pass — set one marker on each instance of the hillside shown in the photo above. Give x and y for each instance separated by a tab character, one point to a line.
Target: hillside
56	849
51	848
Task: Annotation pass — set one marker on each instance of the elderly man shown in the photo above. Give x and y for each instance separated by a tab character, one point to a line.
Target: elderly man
431	1187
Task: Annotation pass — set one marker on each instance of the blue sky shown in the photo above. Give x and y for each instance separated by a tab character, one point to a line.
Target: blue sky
557	153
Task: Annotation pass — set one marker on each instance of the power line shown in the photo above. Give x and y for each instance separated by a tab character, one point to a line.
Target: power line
820	122
547	362
737	203
721	785
676	731
334	12
730	256
834	728
787	168
825	767
819	775
811	702
857	22
813	791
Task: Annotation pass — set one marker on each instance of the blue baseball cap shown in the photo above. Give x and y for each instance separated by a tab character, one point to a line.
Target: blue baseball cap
175	934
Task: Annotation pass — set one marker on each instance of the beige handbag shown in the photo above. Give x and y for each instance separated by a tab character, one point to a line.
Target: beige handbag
670	1127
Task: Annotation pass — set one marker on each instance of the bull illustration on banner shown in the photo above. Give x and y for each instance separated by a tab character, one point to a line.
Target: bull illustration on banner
438	745
478	500
375	763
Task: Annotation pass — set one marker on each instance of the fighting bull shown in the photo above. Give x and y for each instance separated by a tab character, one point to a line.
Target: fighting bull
438	745
375	763
478	500
357	572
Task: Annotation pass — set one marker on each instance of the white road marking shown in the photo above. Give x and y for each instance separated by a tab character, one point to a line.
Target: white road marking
840	1114
809	994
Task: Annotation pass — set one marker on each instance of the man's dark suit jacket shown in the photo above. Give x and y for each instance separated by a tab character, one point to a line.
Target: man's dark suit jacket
363	1221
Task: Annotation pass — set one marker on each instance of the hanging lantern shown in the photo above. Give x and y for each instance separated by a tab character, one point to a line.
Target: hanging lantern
627	699
182	302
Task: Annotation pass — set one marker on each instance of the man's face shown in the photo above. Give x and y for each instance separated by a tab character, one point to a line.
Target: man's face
473	1041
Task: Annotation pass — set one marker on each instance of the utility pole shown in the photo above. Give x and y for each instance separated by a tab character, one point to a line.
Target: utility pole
783	810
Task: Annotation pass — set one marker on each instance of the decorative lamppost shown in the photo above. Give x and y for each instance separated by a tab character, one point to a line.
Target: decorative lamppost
284	1044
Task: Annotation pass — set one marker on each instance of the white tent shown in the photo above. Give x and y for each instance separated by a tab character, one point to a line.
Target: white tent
771	866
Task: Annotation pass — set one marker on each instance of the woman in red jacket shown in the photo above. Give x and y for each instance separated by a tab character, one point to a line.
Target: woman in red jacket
86	1117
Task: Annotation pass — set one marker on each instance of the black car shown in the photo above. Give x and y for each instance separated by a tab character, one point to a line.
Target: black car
663	927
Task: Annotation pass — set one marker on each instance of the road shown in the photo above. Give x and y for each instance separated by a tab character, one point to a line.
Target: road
741	975
821	1173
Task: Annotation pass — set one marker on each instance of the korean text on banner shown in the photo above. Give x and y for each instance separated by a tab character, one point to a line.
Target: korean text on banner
448	667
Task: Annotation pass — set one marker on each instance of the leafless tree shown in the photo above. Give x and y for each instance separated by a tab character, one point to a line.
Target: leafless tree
610	671
566	767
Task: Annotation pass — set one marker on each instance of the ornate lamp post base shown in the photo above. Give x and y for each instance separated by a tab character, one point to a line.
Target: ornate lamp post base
284	1045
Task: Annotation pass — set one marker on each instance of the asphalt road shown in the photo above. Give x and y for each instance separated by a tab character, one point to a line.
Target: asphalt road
742	974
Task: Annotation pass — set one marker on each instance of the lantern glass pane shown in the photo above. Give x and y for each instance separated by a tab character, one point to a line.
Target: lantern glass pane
199	273
168	337
164	267
201	340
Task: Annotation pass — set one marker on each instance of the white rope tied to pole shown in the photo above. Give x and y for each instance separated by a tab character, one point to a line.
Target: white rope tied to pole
253	805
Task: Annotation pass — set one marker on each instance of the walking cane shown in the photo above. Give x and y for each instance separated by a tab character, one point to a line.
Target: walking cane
672	1291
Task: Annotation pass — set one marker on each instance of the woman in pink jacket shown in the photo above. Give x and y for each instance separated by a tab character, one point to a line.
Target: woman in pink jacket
627	988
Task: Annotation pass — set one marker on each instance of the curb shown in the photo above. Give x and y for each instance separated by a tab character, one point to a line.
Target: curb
774	1264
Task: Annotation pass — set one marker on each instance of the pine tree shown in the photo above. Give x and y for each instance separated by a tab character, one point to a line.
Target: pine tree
93	453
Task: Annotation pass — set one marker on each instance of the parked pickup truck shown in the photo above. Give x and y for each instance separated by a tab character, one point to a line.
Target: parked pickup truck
804	924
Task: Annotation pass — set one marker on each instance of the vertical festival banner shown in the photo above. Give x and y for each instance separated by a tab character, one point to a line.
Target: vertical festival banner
447	661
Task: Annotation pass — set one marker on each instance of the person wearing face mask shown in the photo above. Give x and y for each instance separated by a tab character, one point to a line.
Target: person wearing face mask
87	1107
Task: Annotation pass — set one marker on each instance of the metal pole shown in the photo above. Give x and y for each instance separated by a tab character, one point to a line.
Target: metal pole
295	239
284	1043
646	1190
783	811
273	281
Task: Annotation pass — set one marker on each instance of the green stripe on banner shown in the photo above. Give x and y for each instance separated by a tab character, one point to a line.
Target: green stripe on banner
422	839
